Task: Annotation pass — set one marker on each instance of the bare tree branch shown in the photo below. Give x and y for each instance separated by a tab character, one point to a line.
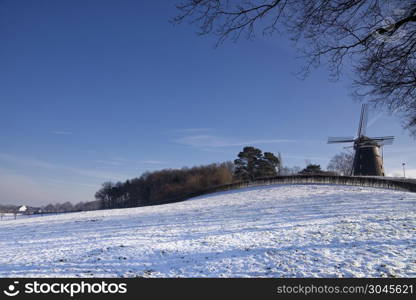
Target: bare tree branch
379	37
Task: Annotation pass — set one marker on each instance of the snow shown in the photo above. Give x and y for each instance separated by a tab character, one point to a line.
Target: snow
273	231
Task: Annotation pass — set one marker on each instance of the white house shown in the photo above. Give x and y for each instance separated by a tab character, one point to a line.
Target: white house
22	209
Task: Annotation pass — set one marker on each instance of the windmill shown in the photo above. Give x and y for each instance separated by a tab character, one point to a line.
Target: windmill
367	158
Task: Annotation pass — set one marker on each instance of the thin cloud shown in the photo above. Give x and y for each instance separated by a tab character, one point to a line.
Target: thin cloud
95	173
62	182
113	163
151	162
59	132
206	141
190	130
31	162
13	159
121	162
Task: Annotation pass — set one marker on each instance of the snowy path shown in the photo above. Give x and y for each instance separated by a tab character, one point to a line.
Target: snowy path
275	231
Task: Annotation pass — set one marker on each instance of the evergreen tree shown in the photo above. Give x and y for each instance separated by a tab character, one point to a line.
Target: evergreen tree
312	169
252	164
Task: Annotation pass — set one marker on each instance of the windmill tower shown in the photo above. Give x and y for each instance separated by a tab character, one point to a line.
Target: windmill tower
367	158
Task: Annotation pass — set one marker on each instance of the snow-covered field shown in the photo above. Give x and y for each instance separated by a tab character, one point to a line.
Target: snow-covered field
274	231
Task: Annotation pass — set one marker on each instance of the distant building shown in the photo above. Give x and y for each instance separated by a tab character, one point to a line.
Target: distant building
22	209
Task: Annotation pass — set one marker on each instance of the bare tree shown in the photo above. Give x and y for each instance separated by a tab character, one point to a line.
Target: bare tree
285	171
50	208
341	163
65	207
376	38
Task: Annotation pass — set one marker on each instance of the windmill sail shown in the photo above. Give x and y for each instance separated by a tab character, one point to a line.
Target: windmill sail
333	140
362	127
387	142
382	138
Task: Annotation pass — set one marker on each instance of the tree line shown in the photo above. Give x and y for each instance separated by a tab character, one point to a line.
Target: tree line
171	185
68	207
53	208
163	186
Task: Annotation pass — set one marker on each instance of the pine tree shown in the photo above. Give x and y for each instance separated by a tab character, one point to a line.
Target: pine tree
312	169
252	164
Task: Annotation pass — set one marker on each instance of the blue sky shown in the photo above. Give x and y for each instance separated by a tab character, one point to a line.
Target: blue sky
92	91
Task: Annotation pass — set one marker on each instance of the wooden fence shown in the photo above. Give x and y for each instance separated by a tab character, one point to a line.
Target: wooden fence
408	185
